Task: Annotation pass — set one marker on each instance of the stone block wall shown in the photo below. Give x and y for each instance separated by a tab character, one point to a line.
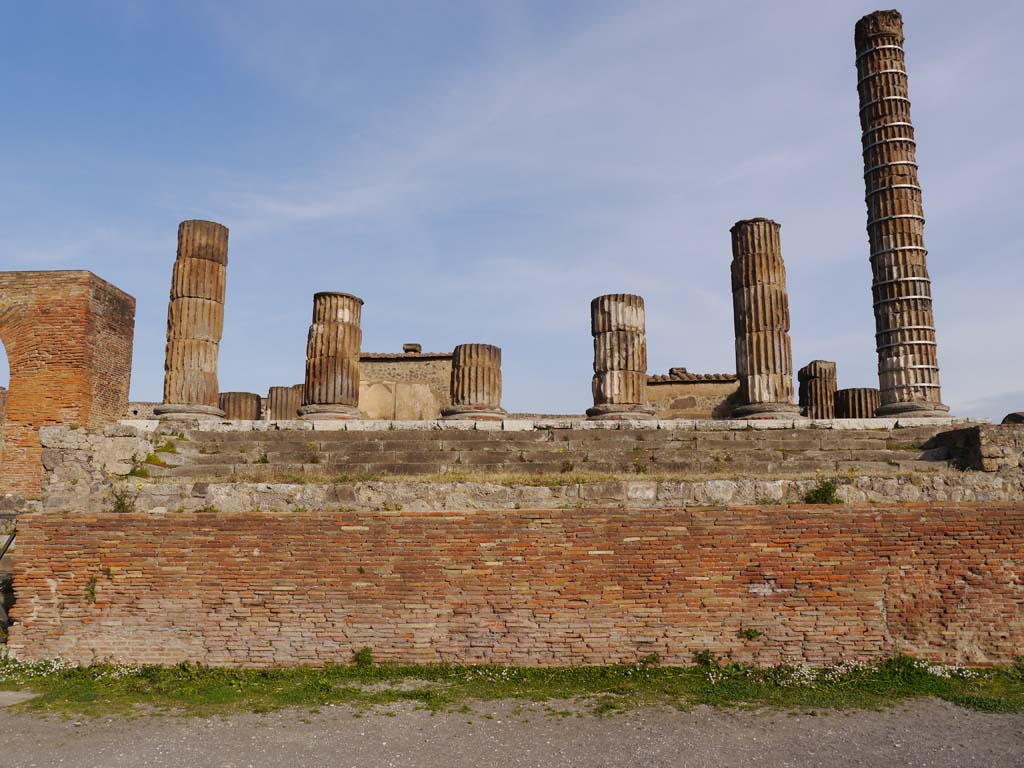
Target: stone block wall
995	448
693	398
543	587
68	337
408	385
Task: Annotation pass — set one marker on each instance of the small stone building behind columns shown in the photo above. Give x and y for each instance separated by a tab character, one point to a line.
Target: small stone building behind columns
685	395
407	385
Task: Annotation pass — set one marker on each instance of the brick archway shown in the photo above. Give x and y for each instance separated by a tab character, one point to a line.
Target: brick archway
68	337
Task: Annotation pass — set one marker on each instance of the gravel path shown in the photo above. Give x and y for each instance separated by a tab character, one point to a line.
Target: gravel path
923	733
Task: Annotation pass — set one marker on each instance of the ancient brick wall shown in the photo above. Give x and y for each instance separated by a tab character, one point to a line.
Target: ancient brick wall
572	586
68	337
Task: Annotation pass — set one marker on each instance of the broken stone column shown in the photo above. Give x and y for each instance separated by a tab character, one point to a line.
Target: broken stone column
331	390
283	403
857	403
245	406
617	322
475	383
195	321
817	392
764	359
908	368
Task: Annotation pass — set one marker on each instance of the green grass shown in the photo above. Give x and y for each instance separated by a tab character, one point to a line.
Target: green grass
197	690
823	492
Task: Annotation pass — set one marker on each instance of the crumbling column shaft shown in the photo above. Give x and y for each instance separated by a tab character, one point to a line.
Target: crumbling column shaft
195	322
818	389
618	325
764	358
475	383
246	406
908	368
857	403
283	403
331	389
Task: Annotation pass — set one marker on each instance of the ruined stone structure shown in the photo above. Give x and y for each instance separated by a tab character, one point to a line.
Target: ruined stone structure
856	403
331	389
908	368
241	405
818	389
617	322
764	358
284	402
407	385
684	395
195	322
476	383
68	337
530	541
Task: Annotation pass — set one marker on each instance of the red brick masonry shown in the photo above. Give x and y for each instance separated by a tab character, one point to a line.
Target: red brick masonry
579	586
68	336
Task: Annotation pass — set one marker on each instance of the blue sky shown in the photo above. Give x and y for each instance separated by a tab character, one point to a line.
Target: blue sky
477	172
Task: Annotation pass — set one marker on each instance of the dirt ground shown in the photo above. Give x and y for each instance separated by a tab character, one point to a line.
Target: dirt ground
922	733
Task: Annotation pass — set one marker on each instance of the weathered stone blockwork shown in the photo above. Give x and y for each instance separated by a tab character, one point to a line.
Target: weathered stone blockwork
68	337
408	385
578	586
684	395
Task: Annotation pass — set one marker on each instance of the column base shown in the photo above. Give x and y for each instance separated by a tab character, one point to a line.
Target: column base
474	412
621	412
787	411
186	411
917	409
321	412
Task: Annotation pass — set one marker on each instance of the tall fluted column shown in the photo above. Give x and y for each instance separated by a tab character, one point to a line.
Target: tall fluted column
475	383
283	403
331	390
195	321
764	358
857	403
908	368
245	406
818	389
617	322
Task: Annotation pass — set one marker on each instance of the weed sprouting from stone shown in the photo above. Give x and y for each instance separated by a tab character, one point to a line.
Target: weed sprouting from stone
823	492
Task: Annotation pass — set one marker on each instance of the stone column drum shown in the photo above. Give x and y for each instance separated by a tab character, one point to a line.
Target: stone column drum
818	389
908	368
857	403
283	403
245	406
618	324
764	358
331	390
195	321
475	383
